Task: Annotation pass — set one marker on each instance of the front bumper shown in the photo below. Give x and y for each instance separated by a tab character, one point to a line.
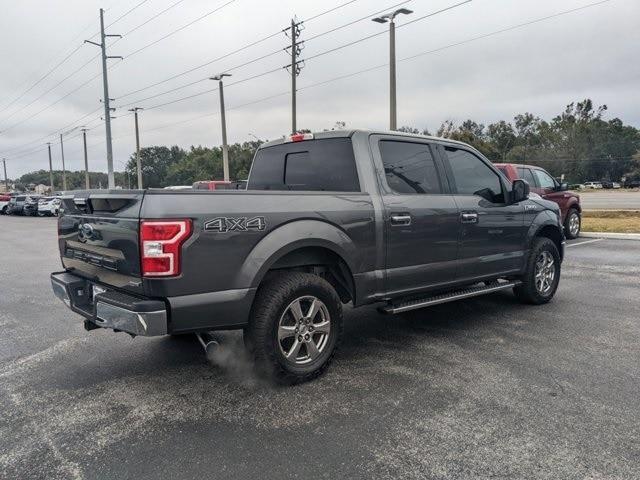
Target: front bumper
109	308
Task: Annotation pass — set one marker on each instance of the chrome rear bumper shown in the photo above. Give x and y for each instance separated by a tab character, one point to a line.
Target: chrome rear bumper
108	308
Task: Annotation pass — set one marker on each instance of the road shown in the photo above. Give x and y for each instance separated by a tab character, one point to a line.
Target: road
476	389
610	200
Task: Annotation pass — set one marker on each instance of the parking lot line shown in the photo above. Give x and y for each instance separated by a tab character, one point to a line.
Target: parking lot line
585	242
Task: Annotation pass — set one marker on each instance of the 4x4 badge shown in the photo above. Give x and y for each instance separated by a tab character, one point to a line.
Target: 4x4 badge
235	224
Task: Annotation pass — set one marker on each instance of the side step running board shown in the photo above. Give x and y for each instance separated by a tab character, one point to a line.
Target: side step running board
448	297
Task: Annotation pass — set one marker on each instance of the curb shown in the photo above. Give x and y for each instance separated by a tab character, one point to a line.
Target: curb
617	236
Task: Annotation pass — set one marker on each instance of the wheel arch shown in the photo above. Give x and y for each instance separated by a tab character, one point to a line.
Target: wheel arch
305	245
546	225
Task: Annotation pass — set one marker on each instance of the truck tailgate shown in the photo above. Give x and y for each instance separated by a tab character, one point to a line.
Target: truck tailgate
98	237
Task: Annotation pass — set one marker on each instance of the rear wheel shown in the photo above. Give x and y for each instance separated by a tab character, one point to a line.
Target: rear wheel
572	224
542	275
295	327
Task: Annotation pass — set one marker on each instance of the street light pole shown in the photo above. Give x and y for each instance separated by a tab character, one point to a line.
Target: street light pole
390	17
138	164
50	168
64	171
6	181
225	147
87	182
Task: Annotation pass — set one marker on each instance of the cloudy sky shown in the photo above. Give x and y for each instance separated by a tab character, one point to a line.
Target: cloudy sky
593	52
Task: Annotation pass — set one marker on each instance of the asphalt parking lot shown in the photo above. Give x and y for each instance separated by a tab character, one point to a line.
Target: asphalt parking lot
475	389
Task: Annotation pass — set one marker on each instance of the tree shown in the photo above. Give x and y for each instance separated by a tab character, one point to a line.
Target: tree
503	137
156	162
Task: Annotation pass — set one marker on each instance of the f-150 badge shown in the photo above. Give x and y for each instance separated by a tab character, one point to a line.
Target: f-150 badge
237	224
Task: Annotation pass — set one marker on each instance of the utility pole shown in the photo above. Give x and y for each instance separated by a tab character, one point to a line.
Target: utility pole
50	169
225	147
296	67
138	164
6	181
64	171
390	17
87	182
107	108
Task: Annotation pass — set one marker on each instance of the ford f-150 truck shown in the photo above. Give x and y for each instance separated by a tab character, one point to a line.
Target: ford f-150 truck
542	183
361	217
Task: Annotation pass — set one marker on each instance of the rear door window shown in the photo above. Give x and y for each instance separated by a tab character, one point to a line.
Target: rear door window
410	167
315	165
526	174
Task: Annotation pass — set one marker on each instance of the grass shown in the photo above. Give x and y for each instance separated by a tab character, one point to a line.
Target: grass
617	221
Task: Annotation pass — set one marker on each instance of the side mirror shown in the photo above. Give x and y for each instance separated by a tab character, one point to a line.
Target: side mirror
563	187
519	191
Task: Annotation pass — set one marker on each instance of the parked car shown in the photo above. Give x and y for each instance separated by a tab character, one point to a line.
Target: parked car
632	184
16	205
48	206
542	183
607	184
4	203
616	185
30	206
593	185
399	220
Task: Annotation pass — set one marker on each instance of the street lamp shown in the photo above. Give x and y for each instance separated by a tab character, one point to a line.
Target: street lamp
390	17
225	147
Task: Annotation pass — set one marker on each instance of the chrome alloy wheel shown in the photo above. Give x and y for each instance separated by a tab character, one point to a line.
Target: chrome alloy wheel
545	273
574	224
303	330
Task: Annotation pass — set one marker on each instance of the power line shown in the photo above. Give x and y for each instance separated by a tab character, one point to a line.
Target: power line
52	104
37	82
321	14
271	54
153	17
452	45
60	63
348	24
180	28
126	13
354	42
244	64
52	88
226	55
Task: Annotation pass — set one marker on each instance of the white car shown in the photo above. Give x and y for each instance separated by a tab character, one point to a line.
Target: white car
48	206
595	185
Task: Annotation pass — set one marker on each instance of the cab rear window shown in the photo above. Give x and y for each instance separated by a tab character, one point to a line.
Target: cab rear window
315	165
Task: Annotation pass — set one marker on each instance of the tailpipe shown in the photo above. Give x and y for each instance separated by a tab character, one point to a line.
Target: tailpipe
208	342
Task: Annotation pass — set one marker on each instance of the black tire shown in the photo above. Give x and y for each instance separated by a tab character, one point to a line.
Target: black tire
271	306
567	224
528	292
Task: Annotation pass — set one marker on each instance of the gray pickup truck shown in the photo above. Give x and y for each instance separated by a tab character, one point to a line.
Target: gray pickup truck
360	217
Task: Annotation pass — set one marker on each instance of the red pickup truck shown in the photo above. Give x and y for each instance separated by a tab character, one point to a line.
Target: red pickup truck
542	183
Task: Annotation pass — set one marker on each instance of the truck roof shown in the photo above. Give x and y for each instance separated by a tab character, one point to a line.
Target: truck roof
351	132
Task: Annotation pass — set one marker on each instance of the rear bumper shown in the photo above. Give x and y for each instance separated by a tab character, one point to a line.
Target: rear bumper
109	308
114	309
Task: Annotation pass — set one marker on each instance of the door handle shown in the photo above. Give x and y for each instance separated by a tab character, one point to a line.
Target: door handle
400	220
469	217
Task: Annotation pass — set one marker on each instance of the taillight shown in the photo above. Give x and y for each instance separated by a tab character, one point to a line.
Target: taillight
160	245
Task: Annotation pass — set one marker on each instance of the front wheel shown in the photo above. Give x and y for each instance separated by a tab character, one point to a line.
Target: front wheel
572	224
542	274
295	327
